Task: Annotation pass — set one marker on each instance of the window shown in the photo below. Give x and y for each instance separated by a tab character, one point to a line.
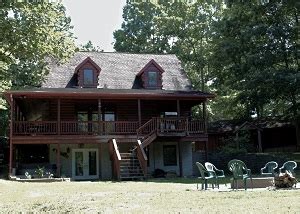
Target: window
85	123
152	78
88	77
170	155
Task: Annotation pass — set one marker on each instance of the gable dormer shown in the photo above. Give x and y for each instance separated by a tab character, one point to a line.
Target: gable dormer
151	75
87	73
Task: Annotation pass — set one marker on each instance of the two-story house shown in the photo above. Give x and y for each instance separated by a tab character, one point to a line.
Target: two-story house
108	115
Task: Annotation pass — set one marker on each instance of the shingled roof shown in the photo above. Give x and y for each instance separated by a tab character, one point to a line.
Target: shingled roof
119	70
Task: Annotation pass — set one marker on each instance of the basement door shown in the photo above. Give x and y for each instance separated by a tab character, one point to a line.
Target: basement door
85	164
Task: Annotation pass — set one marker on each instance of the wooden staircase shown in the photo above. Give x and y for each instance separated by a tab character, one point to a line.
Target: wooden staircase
147	133
130	168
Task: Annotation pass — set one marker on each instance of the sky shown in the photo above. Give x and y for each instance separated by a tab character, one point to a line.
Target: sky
95	20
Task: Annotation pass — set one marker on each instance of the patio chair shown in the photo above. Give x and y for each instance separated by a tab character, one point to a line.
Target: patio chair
289	167
218	172
240	172
205	176
269	169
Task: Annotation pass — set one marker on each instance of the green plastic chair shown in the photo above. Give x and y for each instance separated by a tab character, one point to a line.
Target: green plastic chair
240	172
205	176
218	173
269	169
289	167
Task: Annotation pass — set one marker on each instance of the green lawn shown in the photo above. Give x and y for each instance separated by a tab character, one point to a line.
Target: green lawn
152	196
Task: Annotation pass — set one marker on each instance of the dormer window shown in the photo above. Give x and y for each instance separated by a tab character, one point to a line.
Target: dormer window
88	77
151	75
152	78
87	73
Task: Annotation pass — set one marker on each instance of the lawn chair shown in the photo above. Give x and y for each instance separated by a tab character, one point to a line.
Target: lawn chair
218	172
289	167
205	175
269	169
240	172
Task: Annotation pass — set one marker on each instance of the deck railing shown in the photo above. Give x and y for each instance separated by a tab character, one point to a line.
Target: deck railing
74	127
35	128
159	125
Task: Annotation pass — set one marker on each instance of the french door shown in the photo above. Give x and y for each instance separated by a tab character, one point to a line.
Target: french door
85	164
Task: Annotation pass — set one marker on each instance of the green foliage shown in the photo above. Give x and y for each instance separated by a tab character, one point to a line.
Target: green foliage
237	145
31	32
3	122
255	54
89	46
40	171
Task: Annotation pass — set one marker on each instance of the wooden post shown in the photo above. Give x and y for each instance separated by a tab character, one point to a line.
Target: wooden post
58	160
58	116
99	116
139	112
178	108
100	160
10	135
259	141
204	117
180	159
205	129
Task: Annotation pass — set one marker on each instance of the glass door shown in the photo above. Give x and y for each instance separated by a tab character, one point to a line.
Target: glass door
85	164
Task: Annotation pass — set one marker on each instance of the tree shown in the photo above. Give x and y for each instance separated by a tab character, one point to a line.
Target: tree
31	32
139	31
255	56
89	46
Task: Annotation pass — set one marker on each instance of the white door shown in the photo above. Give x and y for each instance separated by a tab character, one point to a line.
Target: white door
85	164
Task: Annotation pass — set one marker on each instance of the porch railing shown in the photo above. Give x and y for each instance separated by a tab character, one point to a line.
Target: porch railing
74	127
35	127
159	125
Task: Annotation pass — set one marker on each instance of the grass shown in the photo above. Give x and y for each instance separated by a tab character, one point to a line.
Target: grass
152	196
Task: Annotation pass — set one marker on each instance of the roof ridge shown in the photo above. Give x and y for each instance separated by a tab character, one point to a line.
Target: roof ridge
114	52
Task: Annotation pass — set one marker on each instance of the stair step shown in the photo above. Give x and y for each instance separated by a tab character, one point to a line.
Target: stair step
127	154
129	161
128	158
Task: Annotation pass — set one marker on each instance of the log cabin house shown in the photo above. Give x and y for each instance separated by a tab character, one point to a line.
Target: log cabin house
107	116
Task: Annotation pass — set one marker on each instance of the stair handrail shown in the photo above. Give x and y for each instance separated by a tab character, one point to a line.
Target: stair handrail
115	157
142	157
116	149
152	124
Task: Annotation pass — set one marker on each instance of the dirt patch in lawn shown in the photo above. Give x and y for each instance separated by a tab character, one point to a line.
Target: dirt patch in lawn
136	197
